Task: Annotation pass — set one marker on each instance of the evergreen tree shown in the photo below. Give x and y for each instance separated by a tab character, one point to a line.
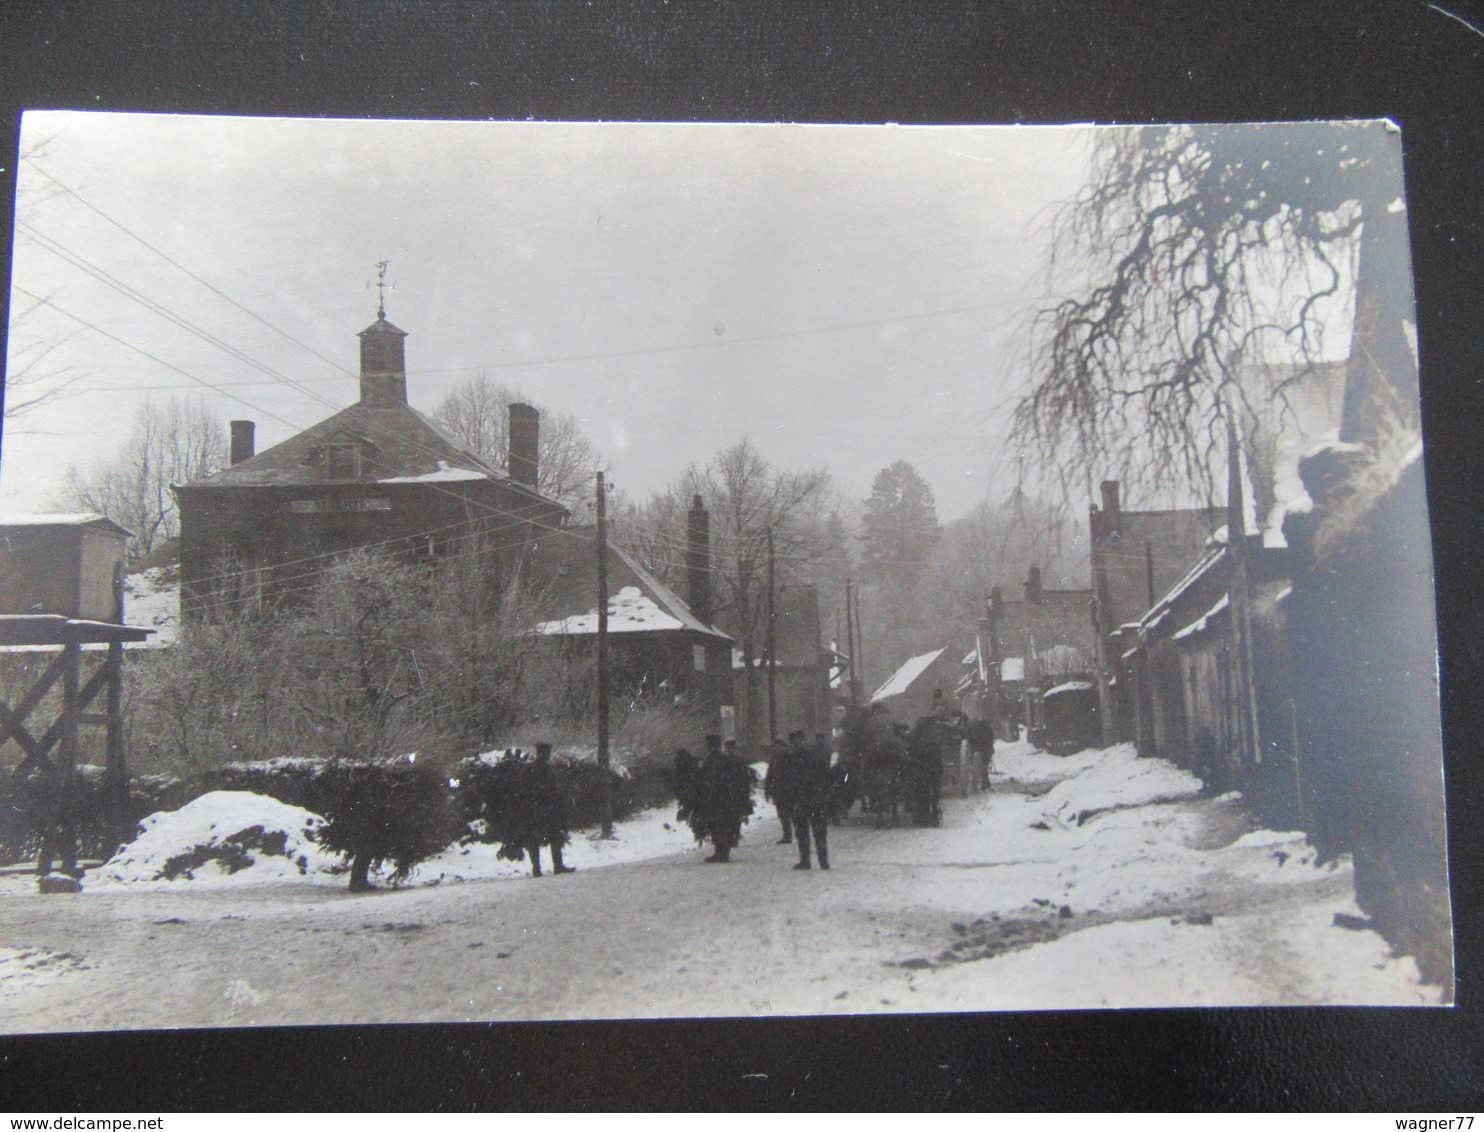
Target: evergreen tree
899	526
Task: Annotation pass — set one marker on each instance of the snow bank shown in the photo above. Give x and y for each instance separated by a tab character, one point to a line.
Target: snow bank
1226	961
1115	779
227	836
1020	761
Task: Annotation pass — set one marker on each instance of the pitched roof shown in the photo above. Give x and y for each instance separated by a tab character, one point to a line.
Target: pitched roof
78	519
905	676
565	563
1172	541
397	445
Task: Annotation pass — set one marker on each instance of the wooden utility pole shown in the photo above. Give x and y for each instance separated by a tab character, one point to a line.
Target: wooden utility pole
602	546
772	649
860	647
852	645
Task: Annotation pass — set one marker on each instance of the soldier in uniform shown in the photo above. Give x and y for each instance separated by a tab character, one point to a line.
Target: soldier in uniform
551	811
925	754
780	783
715	798
813	785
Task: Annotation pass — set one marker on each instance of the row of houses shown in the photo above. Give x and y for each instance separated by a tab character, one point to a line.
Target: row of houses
1281	644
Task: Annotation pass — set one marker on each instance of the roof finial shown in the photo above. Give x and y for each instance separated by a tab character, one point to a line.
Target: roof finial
382	286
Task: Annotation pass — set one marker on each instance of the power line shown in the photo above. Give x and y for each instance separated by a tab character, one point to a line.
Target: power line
174	263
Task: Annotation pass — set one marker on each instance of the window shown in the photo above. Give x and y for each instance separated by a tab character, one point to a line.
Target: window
322	506
342	461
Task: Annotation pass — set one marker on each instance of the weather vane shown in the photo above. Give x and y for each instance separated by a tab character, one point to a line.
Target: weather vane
382	287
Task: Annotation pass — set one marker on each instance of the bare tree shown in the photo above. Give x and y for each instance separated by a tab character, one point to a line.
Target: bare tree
1207	255
32	378
748	499
173	443
477	415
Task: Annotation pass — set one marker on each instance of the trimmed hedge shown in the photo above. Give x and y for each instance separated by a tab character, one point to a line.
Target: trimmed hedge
26	809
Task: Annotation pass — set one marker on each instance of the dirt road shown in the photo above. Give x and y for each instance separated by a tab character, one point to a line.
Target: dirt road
665	937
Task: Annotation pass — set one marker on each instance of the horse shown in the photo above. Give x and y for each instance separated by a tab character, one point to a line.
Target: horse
875	755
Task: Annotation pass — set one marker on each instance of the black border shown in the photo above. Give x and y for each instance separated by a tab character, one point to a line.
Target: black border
1032	61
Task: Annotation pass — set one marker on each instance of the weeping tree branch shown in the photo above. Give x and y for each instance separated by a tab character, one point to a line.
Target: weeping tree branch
1209	263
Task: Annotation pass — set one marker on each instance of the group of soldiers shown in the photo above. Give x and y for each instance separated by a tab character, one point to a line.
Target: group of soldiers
715	796
520	804
810	789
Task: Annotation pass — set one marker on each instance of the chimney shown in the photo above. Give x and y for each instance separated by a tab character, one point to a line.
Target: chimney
383	363
242	440
525	442
1033	585
1110	499
698	560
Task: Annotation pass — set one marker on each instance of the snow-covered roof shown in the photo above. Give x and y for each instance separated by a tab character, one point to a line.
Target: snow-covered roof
904	676
1069	686
61	519
637	601
1012	668
630	610
1200	623
443	474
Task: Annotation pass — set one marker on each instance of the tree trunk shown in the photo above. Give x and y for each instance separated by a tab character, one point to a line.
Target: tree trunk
360	870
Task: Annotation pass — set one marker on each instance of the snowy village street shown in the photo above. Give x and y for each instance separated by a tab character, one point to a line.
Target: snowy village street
1094	880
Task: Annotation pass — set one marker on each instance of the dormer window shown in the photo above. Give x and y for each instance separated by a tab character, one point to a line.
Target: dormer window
342	461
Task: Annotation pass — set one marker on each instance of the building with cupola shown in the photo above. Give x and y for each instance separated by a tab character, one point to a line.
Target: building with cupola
377	474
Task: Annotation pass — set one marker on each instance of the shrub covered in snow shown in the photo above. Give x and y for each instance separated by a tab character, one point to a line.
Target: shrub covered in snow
378	811
488	788
393	811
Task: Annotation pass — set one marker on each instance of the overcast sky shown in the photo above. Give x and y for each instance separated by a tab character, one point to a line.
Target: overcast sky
845	296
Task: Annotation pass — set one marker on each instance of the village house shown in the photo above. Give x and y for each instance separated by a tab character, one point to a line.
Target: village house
1136	557
804	668
661	648
1028	647
377	474
1204	669
909	691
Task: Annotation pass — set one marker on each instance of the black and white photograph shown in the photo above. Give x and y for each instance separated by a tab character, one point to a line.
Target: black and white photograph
526	571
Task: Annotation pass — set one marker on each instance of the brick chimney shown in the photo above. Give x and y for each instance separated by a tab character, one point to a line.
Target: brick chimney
242	440
525	444
1033	585
383	363
698	560
1107	522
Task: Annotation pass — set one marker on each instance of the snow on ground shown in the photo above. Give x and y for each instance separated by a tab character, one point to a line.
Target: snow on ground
152	600
1116	779
230	836
1087	881
645	835
222	818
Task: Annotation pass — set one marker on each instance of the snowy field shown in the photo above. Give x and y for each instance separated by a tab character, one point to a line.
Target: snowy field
1095	880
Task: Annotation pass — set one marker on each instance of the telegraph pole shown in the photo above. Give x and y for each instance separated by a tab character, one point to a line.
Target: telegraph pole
603	652
860	645
772	649
850	645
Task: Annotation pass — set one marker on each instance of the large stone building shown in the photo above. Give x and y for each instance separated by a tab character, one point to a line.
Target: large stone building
377	474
